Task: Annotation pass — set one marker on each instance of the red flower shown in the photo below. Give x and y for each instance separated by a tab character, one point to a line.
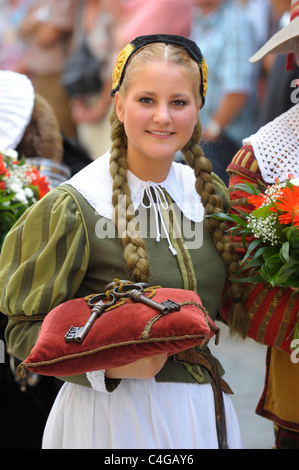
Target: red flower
288	203
257	201
41	181
3	168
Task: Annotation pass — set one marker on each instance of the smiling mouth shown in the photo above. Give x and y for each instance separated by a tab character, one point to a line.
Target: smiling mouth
161	133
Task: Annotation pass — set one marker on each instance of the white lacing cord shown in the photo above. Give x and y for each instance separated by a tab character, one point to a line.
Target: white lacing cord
160	202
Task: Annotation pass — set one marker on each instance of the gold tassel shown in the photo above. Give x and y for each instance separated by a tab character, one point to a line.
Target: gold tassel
21	370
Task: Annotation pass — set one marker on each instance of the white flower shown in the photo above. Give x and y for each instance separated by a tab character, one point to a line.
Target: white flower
29	193
15	187
13	154
295	181
21	196
264	228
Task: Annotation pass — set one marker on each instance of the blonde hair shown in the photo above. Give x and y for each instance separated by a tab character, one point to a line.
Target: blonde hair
124	219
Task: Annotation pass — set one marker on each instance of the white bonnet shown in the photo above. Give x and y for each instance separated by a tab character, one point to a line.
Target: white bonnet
16	106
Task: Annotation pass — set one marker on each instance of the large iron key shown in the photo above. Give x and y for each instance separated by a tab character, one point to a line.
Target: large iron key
78	333
136	294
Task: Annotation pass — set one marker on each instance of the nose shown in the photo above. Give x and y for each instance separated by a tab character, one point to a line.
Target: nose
162	114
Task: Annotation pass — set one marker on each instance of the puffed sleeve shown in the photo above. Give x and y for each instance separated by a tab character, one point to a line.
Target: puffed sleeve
43	262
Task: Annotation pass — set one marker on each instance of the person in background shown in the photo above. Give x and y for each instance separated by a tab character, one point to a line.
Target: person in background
134	18
272	153
278	17
267	17
281	86
27	124
258	13
158	87
90	110
46	31
227	39
30	126
11	45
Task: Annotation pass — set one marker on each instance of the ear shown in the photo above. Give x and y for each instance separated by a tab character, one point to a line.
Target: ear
119	107
199	106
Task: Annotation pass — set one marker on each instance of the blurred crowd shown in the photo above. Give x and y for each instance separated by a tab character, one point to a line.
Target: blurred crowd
40	37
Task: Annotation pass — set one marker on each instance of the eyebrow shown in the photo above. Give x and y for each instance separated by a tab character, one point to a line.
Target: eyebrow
173	96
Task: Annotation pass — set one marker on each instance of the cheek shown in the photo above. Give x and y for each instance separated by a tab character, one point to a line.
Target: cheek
135	116
188	120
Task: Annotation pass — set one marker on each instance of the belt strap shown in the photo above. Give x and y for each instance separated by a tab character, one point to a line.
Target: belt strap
208	361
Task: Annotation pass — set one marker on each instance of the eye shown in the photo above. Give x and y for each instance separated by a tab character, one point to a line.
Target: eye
145	100
179	103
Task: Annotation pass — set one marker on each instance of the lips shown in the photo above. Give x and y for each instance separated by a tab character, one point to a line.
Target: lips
161	133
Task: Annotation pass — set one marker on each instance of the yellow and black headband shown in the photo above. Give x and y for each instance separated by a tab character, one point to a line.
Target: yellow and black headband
190	46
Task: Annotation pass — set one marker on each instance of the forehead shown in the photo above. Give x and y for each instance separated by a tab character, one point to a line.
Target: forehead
162	75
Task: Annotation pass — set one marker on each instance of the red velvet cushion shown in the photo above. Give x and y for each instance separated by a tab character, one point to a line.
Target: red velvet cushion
115	338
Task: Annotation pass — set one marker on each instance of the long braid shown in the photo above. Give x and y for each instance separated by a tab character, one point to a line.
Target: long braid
124	217
201	166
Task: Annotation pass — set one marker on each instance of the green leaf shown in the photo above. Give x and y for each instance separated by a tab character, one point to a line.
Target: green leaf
251	247
284	252
228	218
248	188
263	211
254	278
292	234
283	278
270	251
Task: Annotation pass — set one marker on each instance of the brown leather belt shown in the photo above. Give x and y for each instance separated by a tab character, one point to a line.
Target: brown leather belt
219	385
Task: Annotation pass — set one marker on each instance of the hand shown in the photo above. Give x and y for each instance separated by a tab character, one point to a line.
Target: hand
212	131
143	369
81	112
209	137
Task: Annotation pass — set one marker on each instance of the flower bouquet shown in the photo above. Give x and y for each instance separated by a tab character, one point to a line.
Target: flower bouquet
270	234
21	185
274	224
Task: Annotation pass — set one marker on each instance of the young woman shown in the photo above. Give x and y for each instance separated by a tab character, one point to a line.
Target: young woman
61	249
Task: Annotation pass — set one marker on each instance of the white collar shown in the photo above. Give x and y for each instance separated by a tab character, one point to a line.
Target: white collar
94	182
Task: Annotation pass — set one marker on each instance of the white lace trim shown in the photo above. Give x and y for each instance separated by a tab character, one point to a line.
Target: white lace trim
97	380
276	146
94	182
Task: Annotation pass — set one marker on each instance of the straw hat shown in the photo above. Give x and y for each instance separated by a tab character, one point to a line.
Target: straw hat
283	41
16	106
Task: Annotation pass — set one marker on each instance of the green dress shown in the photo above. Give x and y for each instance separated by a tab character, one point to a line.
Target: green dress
55	253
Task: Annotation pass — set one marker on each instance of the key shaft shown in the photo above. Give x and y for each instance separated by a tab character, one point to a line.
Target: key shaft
163	308
78	333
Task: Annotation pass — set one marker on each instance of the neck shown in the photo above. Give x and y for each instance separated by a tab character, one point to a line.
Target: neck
149	171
